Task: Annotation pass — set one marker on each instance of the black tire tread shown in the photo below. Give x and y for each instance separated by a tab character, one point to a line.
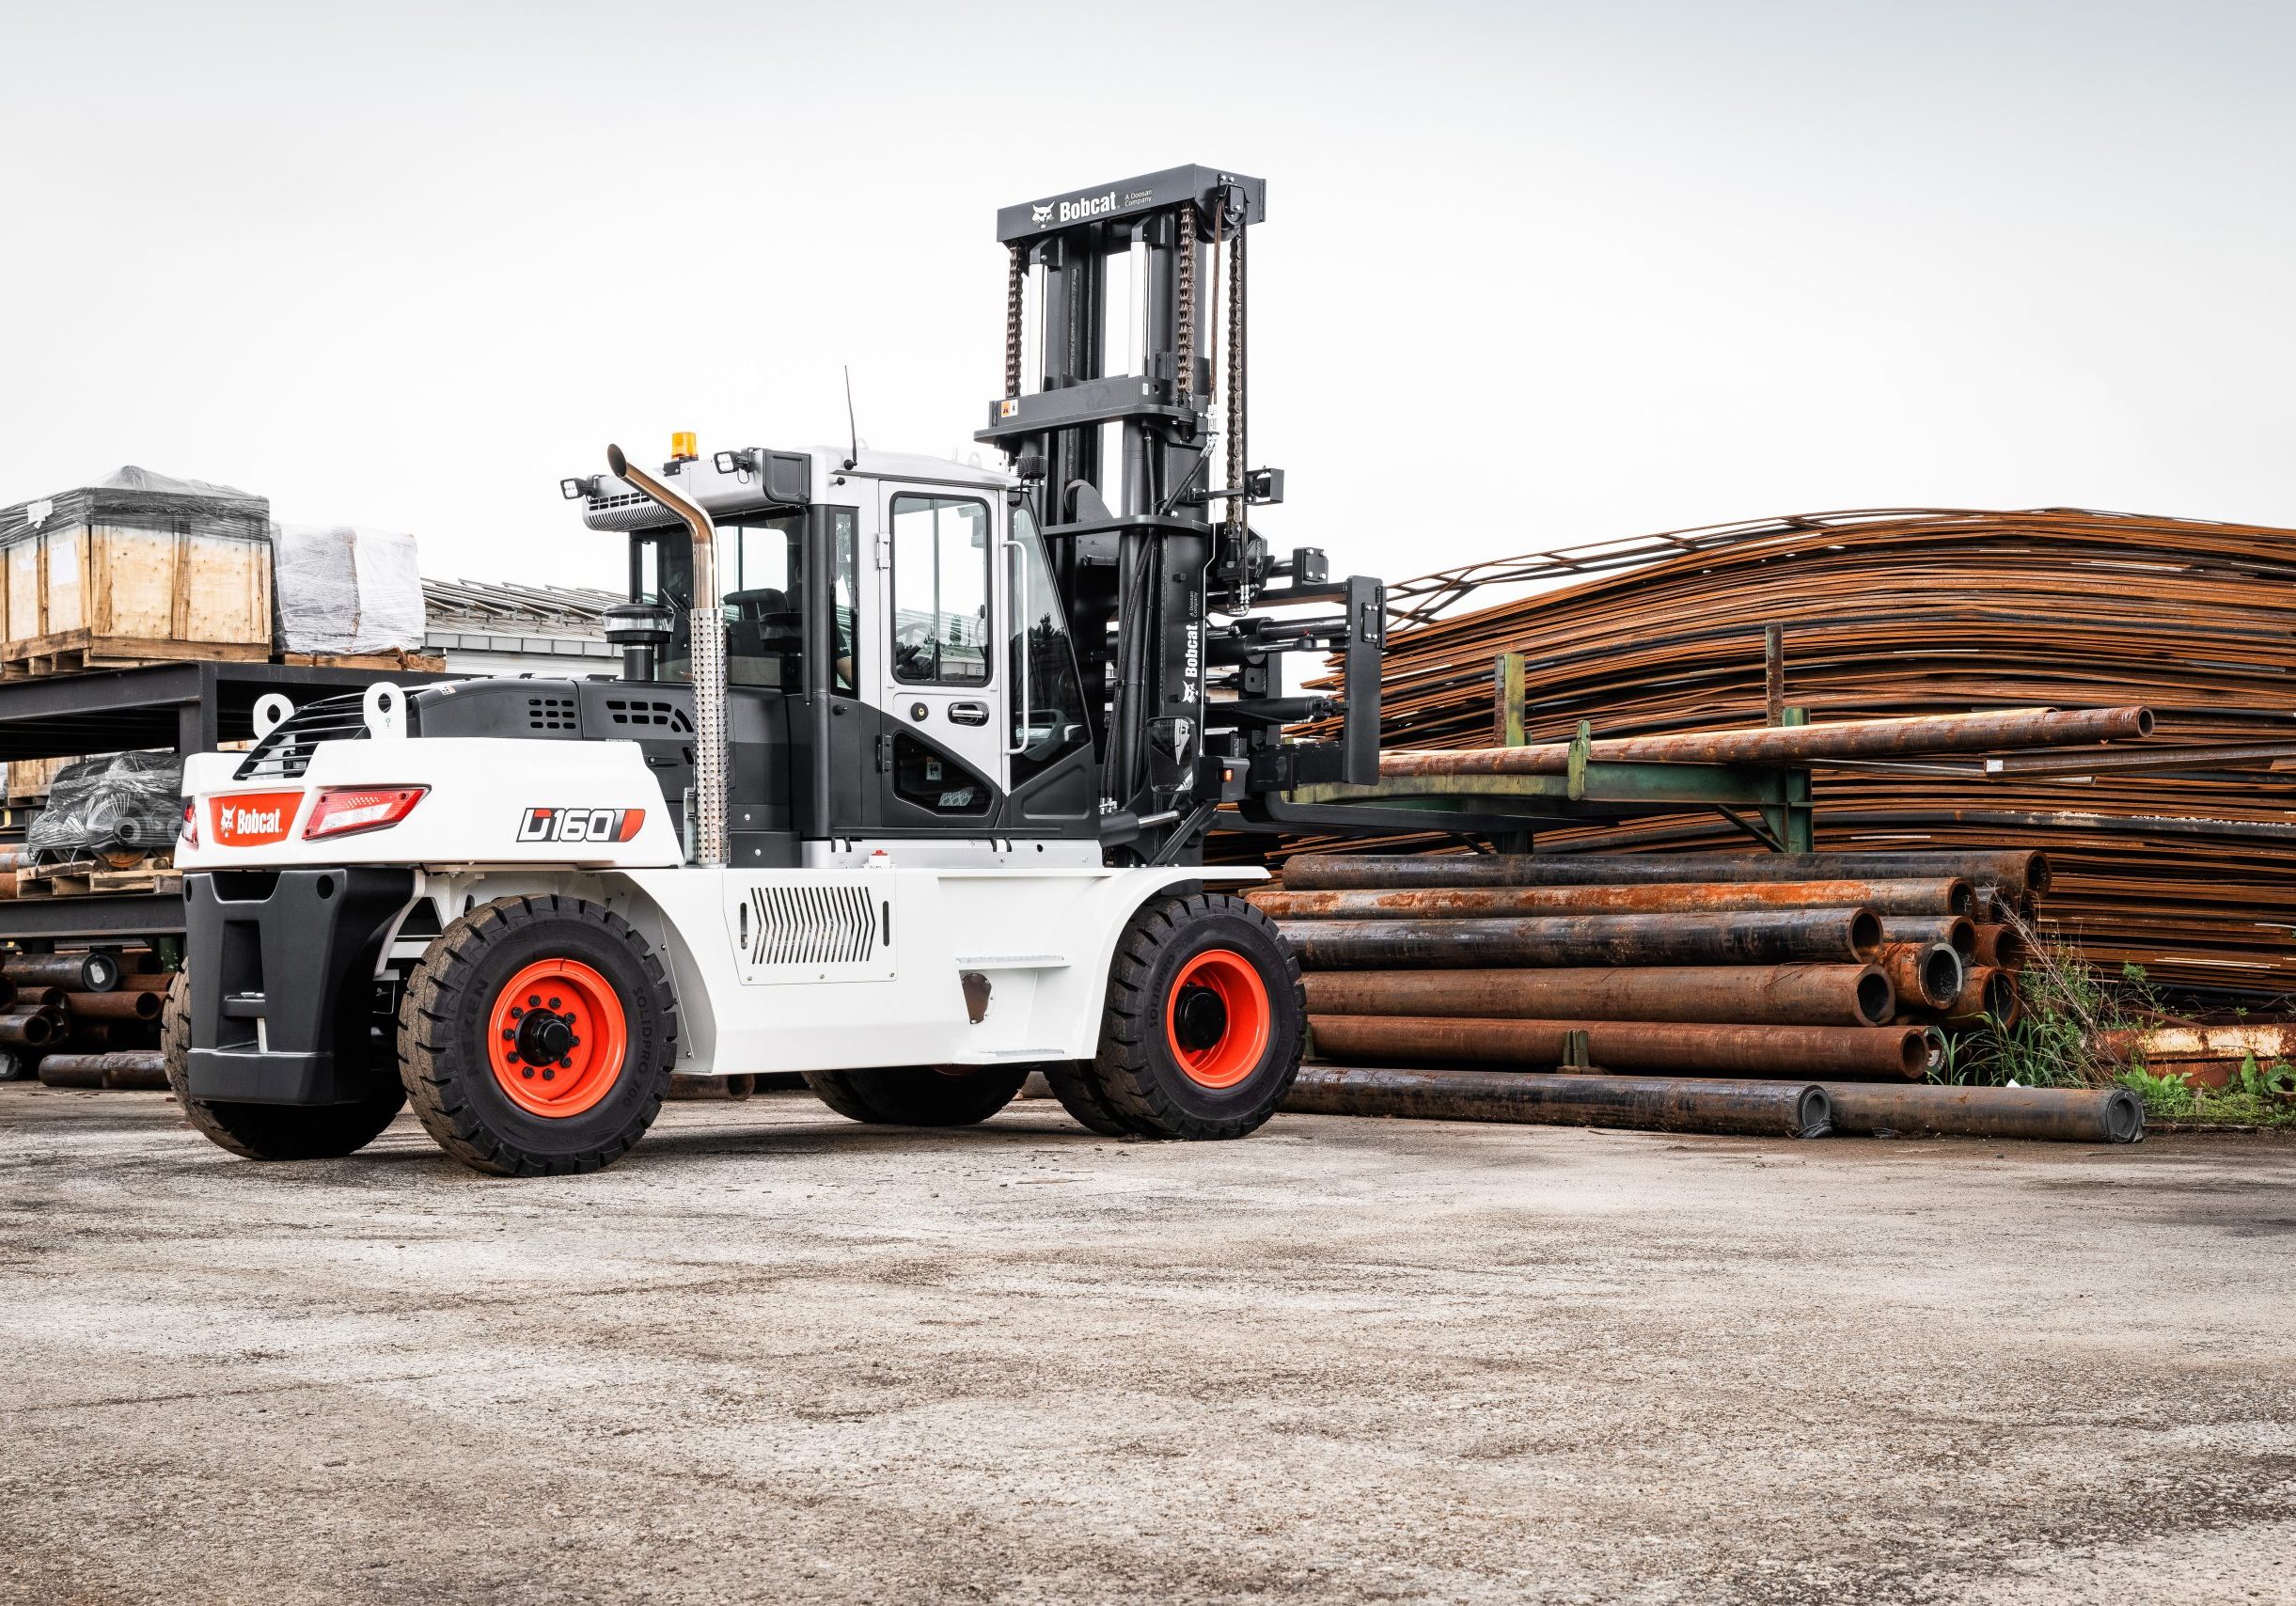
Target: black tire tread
1121	1074
269	1131
917	1095
445	972
1073	1083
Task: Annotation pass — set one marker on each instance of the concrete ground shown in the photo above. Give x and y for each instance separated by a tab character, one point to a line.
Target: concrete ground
776	1357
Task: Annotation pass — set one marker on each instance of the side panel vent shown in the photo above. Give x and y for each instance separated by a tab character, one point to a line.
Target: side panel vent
553	713
644	712
817	928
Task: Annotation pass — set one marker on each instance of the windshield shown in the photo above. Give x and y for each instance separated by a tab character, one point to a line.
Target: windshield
761	591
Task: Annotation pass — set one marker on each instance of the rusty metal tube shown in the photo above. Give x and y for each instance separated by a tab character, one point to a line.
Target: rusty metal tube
1806	994
1999	945
76	972
1665	1104
1957	932
131	1005
35	1029
2014	872
1936	1041
1927	975
1937	898
1988	993
1899	1053
1762	938
134	1070
2071	1116
1799	744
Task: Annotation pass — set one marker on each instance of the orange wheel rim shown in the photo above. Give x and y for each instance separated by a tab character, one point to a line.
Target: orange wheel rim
555	1038
1217	1018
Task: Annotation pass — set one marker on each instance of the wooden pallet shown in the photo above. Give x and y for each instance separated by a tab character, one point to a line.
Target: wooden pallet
86	881
431	663
43	657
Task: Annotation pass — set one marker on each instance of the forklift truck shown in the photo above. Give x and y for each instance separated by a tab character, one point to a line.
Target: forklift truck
904	785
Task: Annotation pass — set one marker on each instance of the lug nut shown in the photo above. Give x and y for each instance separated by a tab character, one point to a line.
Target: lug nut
534	1000
554	1004
548	1076
527	1073
565	1065
517	1014
509	1036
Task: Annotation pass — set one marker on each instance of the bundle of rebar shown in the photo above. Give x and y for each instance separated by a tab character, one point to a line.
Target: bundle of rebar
2175	855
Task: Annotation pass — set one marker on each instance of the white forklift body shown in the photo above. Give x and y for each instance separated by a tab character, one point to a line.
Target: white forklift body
993	954
904	785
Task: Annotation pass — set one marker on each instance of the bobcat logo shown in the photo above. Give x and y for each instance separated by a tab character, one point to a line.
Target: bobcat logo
1040	214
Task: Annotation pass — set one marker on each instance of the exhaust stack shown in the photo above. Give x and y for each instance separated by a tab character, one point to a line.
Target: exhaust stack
709	645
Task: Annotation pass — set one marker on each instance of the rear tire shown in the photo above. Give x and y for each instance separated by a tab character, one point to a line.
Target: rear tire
270	1131
536	1036
1204	1025
1073	1084
919	1096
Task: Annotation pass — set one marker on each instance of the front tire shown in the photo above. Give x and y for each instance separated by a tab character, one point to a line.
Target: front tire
270	1131
1204	1025
919	1096
536	1036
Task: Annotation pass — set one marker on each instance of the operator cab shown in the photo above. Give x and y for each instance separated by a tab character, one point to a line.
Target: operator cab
899	663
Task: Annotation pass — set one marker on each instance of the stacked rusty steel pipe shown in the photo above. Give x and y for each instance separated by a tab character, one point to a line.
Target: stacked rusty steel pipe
84	1018
1692	964
1723	993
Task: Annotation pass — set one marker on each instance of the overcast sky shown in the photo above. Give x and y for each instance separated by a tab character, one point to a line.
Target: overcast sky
1532	273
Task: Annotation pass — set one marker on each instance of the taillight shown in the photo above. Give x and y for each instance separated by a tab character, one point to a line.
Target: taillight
343	811
191	825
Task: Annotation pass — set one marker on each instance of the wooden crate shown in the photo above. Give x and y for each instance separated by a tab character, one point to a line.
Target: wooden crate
28	779
100	578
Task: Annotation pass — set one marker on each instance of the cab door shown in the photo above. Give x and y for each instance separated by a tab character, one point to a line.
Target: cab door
942	683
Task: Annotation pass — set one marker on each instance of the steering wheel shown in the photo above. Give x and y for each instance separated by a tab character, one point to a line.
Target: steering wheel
912	643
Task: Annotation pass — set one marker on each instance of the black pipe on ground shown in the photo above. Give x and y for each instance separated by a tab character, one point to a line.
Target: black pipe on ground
2057	1114
1664	1104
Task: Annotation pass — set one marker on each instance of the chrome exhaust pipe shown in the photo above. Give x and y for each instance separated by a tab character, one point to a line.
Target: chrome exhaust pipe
708	630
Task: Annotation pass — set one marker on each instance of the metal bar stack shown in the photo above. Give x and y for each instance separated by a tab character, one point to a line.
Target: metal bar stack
2175	855
88	1018
1694	976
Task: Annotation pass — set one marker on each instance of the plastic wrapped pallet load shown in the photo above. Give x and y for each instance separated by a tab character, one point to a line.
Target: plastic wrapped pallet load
115	803
139	567
348	591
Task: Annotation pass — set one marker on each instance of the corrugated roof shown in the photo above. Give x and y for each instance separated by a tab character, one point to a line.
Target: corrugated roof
486	605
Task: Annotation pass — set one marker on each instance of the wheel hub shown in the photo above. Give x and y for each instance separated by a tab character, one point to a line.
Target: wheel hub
1218	1018
543	1038
1200	1019
555	1038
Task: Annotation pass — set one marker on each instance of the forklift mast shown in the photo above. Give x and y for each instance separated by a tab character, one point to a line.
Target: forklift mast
1124	414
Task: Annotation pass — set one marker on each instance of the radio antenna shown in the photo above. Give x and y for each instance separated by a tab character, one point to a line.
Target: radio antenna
852	429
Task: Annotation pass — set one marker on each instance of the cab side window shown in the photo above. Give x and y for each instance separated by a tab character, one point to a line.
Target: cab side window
941	555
